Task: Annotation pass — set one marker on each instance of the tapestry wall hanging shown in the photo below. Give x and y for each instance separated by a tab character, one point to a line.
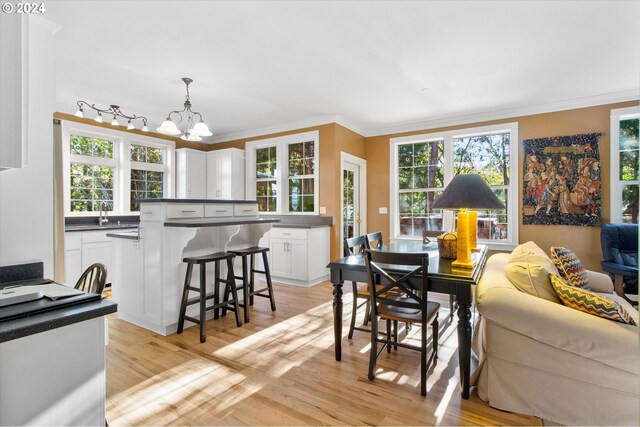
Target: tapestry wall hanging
562	180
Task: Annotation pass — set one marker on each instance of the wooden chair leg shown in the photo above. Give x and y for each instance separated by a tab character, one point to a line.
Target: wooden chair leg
374	348
423	358
252	277
354	310
185	297
216	290
452	299
234	291
203	302
388	343
367	312
395	335
245	289
435	330
267	273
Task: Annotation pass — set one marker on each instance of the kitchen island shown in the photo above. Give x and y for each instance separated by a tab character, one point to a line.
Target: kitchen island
148	277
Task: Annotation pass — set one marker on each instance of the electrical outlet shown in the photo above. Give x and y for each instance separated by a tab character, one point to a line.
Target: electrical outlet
323	210
382	211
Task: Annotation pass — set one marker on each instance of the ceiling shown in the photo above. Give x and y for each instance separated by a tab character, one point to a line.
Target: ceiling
377	67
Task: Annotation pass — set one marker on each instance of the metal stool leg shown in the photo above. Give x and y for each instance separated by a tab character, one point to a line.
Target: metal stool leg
185	296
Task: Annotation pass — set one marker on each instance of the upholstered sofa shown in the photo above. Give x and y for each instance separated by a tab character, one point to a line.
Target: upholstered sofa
542	358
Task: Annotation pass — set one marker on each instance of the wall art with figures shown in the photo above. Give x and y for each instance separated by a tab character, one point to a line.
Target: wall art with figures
562	182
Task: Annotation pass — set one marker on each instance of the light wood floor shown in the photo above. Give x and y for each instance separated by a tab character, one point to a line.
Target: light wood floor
280	370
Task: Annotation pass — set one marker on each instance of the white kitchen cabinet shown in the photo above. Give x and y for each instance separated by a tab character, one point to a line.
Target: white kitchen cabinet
225	174
127	284
84	248
191	174
151	240
299	256
13	86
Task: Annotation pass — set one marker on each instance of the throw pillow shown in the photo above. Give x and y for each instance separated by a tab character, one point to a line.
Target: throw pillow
528	269
570	267
589	302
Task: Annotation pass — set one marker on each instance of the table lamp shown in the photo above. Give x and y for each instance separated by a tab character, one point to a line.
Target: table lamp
464	192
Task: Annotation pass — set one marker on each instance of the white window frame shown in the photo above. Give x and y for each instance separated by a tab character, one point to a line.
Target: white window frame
447	216
282	169
617	115
121	163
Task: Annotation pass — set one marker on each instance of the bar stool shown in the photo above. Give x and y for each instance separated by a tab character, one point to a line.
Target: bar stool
230	284
248	278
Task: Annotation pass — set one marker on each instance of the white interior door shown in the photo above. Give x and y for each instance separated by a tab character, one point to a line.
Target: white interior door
350	200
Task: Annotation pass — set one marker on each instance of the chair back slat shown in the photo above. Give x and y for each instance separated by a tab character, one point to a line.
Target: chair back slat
93	279
355	245
374	240
398	281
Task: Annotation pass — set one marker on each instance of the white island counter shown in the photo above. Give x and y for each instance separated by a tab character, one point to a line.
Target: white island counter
148	276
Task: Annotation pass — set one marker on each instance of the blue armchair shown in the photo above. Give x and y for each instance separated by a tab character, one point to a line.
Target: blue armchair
620	256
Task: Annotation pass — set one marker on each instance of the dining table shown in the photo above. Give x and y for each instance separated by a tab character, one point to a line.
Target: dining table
442	278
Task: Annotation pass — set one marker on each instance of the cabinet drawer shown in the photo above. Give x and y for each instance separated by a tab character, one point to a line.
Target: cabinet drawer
245	210
288	233
95	237
184	211
72	241
151	212
218	210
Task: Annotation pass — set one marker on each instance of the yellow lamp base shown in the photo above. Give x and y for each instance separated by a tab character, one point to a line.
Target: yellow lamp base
460	264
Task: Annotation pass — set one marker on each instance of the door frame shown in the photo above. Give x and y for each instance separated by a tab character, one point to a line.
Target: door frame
362	163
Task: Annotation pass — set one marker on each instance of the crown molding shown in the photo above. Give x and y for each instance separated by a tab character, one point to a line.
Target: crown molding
509	113
300	124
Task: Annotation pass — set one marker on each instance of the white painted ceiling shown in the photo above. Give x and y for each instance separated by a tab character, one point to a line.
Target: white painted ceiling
261	66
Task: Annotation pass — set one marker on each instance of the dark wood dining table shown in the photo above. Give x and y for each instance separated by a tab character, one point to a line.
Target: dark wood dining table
443	278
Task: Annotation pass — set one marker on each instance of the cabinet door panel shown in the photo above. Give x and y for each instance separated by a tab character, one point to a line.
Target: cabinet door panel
280	258
213	190
298	259
72	266
151	234
127	285
97	253
196	175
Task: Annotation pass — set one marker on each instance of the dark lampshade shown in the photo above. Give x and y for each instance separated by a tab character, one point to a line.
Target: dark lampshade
468	191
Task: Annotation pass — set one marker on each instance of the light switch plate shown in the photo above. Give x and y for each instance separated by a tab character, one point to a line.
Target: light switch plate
382	210
323	210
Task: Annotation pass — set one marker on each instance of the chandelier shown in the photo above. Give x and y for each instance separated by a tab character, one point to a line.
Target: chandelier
113	110
192	130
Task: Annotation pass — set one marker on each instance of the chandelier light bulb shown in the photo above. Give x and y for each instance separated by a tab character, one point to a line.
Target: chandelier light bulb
168	127
201	129
98	118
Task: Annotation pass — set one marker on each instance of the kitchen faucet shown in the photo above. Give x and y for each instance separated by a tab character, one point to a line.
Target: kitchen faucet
103	220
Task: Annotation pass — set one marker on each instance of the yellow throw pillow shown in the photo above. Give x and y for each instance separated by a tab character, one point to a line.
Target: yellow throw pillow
589	302
528	269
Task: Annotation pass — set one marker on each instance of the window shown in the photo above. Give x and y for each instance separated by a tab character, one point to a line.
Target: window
282	173
114	169
422	165
625	158
92	164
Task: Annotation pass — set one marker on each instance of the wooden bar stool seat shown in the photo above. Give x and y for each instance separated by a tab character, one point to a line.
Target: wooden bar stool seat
248	277
203	297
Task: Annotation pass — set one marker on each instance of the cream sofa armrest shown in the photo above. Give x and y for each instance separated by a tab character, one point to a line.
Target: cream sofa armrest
606	341
600	282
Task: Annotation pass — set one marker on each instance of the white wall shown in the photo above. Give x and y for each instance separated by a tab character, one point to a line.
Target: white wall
26	194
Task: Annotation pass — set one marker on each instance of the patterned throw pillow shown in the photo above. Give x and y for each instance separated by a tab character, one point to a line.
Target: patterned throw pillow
570	267
589	302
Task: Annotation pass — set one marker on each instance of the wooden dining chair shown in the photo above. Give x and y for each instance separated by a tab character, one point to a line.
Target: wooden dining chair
351	247
402	297
93	279
374	240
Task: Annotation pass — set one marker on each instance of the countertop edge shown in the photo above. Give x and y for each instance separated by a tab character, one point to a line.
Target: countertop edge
301	226
193	224
197	201
42	322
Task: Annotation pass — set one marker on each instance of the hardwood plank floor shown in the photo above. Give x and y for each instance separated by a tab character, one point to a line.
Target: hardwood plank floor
280	370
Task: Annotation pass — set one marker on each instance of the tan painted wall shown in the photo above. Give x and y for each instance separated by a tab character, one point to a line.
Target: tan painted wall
333	139
584	241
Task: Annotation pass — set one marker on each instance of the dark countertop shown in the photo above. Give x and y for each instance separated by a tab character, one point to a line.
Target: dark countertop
207	222
95	227
42	322
131	235
195	201
306	226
